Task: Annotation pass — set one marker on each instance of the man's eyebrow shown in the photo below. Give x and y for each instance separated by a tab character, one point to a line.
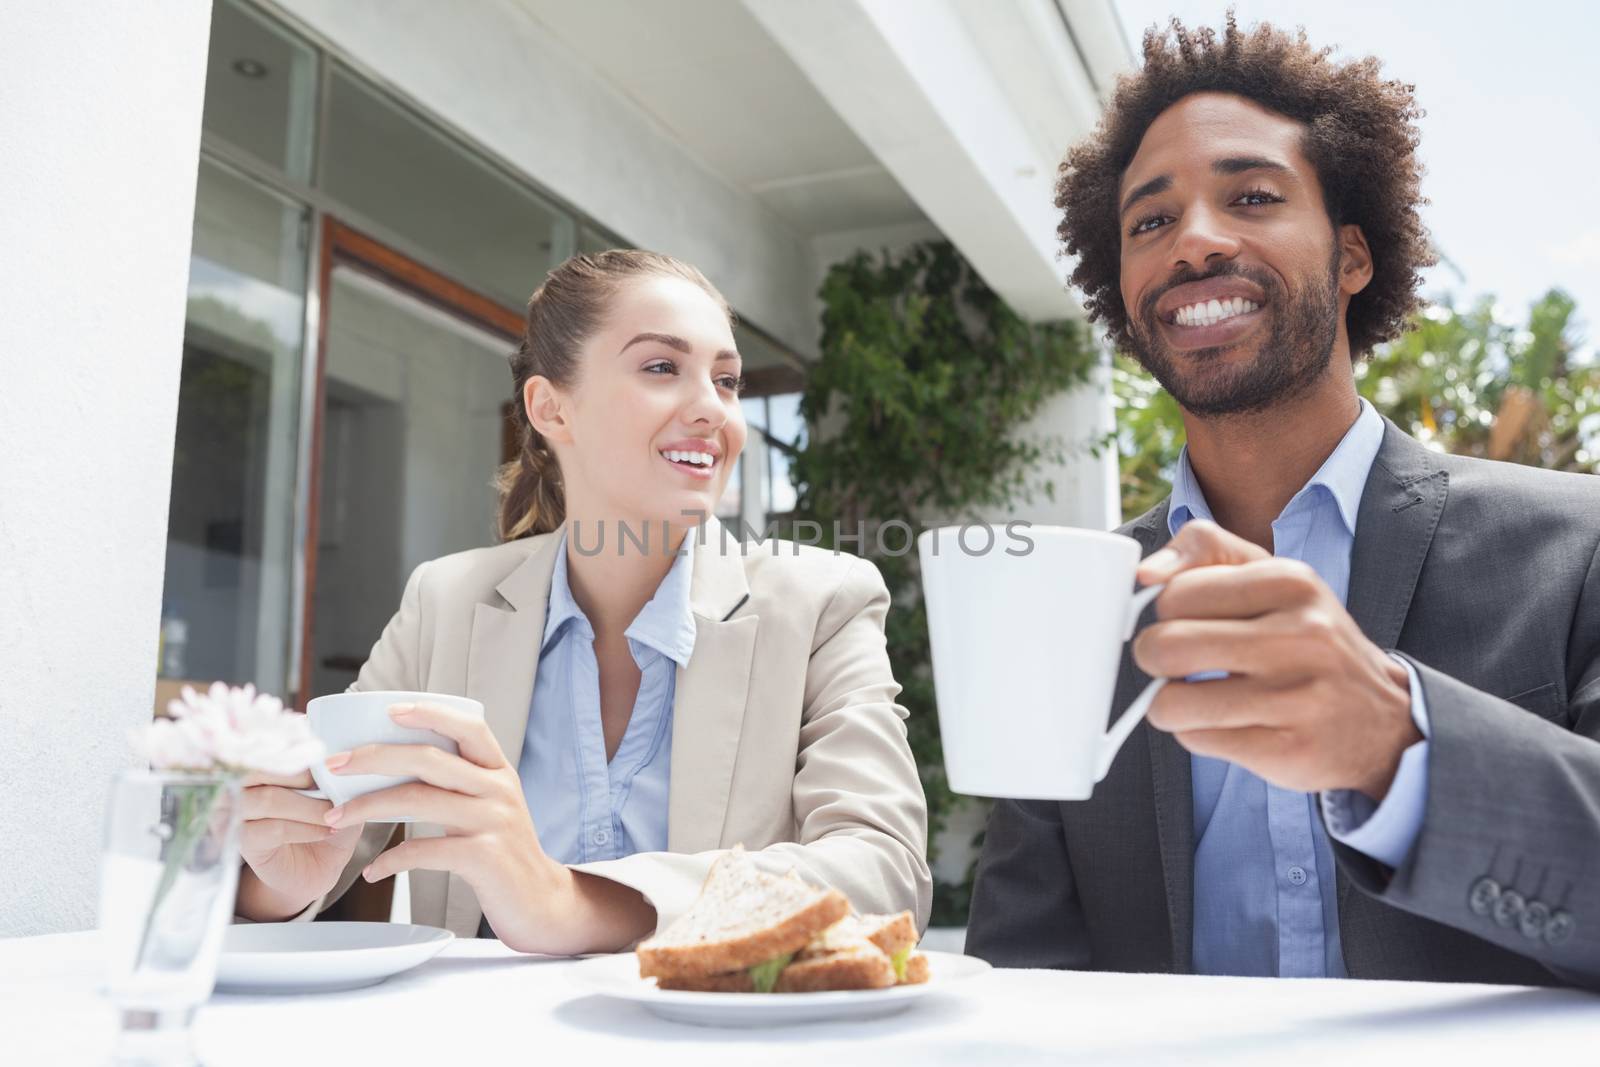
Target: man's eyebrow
1149	188
1240	164
674	341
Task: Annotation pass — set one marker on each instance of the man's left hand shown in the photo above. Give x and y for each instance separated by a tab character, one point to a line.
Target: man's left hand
1309	703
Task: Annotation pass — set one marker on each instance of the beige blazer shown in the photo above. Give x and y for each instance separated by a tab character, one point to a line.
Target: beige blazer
786	737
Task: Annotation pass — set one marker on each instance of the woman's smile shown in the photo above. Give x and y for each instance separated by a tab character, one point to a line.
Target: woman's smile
698	458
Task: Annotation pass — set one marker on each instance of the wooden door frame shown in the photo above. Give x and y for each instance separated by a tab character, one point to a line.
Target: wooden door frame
343	245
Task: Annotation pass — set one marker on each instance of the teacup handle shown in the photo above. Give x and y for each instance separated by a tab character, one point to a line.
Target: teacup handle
314	794
1113	738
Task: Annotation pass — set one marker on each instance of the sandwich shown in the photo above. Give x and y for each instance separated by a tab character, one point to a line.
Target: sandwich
754	932
858	952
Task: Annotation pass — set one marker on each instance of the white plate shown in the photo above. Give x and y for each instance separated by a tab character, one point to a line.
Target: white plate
321	957
618	977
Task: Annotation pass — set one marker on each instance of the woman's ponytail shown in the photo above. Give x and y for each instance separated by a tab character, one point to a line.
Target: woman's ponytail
531	498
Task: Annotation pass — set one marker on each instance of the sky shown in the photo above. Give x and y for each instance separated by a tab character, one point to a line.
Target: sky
1511	140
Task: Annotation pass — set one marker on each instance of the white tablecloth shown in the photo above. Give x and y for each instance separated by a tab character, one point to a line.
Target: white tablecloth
480	1003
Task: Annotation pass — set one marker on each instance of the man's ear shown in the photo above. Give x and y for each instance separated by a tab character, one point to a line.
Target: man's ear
1355	260
547	409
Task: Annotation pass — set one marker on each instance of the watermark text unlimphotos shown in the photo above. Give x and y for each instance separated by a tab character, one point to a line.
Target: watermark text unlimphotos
895	537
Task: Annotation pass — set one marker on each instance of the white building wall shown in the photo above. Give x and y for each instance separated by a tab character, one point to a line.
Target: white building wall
491	71
101	133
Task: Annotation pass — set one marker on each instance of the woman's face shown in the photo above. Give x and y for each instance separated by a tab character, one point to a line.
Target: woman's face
651	427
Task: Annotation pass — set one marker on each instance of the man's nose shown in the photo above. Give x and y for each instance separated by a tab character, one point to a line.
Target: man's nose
1202	234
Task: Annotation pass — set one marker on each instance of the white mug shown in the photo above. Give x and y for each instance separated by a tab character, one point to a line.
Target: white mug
348	720
1026	626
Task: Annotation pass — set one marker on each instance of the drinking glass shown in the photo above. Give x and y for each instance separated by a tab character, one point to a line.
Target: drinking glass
168	874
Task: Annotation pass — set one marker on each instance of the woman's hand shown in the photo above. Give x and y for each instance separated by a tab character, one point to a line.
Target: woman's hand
534	903
293	855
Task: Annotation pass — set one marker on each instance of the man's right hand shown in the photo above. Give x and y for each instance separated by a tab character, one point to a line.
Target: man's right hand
292	856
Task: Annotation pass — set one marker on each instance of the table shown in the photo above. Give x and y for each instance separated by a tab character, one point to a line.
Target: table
481	1003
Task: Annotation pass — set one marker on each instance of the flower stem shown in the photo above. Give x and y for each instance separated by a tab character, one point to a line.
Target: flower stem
195	805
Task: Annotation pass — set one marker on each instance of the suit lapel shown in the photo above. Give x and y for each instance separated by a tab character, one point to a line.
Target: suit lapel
709	702
1171	783
502	658
503	654
1400	510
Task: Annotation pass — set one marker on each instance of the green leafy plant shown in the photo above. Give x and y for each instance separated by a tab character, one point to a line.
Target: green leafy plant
1477	385
913	414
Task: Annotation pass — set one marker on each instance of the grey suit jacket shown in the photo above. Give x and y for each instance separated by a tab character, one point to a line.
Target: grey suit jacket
1486	576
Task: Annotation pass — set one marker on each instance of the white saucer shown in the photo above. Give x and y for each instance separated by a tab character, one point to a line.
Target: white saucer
321	957
618	977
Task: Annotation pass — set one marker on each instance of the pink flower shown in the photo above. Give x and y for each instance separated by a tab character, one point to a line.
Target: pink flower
234	731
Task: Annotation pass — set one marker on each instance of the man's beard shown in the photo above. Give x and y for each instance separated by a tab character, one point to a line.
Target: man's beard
1294	355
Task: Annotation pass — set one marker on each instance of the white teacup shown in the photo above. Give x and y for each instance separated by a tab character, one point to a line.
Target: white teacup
348	720
1026	643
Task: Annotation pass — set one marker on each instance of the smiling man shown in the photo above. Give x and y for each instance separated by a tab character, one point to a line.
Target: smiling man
1379	756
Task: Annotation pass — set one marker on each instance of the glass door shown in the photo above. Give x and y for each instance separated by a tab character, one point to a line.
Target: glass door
411	429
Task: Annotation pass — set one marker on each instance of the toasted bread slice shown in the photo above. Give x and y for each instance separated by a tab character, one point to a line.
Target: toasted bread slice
729	982
853	970
743	917
861	967
891	933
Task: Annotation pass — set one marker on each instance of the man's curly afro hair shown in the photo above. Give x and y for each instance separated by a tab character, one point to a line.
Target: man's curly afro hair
1360	136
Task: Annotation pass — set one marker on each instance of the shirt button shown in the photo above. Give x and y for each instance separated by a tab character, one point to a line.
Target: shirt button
601	837
1297	875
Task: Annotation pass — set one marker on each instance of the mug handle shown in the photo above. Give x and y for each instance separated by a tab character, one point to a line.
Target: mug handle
1113	738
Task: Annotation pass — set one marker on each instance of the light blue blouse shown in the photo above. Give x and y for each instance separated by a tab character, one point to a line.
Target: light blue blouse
583	807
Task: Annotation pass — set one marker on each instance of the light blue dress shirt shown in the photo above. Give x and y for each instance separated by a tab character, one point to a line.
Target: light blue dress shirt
585	808
1264	893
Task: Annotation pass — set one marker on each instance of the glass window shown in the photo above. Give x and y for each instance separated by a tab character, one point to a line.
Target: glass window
226	600
413	430
454	211
785	430
261	89
762	486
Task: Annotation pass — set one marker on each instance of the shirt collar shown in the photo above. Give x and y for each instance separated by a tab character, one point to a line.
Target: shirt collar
1343	476
665	624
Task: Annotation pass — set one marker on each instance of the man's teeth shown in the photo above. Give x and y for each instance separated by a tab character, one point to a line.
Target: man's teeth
1213	311
699	459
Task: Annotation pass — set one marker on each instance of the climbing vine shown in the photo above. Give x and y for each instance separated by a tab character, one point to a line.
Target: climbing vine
915	414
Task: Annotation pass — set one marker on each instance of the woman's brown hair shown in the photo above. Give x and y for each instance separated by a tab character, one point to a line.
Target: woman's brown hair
563	313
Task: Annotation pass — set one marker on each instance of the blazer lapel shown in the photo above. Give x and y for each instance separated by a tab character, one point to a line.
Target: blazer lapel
503	653
709	703
1400	510
502	657
1171	783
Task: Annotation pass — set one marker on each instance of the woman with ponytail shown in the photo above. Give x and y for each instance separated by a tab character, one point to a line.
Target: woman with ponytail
655	692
